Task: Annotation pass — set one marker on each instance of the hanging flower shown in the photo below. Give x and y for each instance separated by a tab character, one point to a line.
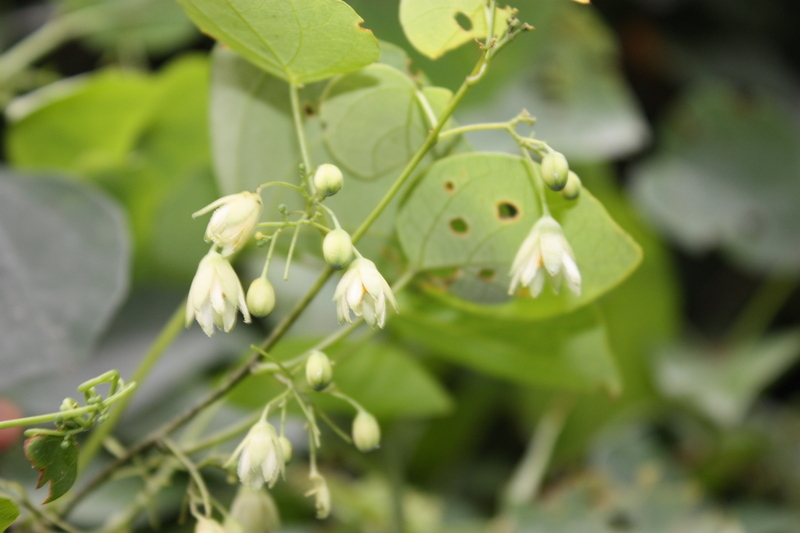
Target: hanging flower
363	290
260	456
322	495
215	295
233	221
545	251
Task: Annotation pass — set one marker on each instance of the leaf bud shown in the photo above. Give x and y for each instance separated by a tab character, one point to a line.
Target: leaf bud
573	187
366	432
318	370
555	170
260	297
337	248
253	511
286	445
328	179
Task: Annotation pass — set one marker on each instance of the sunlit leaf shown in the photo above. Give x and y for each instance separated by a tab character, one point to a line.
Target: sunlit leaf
300	41
58	465
8	513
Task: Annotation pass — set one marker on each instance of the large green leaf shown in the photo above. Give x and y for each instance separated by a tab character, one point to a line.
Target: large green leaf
64	260
472	211
375	119
728	175
58	465
569	352
436	26
300	41
8	513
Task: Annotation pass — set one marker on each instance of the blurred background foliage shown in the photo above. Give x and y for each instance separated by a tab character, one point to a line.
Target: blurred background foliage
678	411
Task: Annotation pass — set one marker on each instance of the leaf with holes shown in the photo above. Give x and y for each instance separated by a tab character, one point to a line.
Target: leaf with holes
436	26
8	513
471	212
375	119
299	41
58	465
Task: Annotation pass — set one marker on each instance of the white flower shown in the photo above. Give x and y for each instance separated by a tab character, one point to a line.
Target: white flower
215	295
545	250
322	495
207	525
363	290
260	456
233	221
254	511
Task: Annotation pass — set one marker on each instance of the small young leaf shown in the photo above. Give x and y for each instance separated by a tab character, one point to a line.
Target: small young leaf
58	465
436	26
300	41
8	513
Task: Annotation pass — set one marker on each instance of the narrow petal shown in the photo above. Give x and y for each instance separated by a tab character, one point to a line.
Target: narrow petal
537	284
572	275
213	205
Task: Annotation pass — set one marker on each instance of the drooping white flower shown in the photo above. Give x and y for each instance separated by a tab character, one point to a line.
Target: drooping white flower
215	295
545	251
207	525
322	495
233	221
254	511
260	456
363	290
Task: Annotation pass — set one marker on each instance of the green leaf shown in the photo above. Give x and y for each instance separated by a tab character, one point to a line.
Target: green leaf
64	261
728	175
58	465
569	352
8	513
79	125
724	385
300	41
471	212
374	121
436	26
387	380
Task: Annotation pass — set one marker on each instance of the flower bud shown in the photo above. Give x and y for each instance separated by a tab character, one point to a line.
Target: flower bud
555	170
337	248
366	432
328	179
318	370
322	495
253	511
207	525
286	445
573	187
260	297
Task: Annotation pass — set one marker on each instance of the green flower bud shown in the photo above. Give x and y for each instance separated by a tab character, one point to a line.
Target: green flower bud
253	511
366	432
573	187
286	445
318	370
328	179
337	248
555	170
260	297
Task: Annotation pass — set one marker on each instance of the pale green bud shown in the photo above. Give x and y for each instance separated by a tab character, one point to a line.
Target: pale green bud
573	187
287	449
328	179
555	170
253	511
318	370
366	432
337	248
207	525
260	297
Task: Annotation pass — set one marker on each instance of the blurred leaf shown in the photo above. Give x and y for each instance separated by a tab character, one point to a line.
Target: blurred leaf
300	41
79	125
9	512
723	385
727	175
374	121
474	211
136	26
568	352
436	26
64	259
58	464
385	379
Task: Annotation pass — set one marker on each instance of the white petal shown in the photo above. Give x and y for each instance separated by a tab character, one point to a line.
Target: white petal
368	310
537	283
572	274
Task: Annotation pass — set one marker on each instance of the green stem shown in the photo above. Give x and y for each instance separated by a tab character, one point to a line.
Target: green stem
527	479
474	127
193	472
297	115
165	338
759	312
